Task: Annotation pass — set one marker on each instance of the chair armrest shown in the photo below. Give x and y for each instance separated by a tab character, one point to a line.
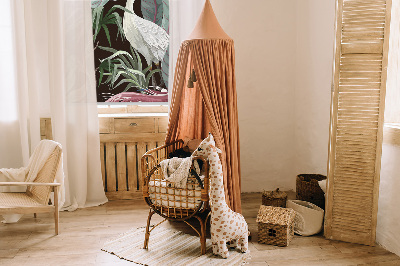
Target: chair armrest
29	184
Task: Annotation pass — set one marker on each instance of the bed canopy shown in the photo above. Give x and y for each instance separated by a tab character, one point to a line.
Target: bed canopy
204	97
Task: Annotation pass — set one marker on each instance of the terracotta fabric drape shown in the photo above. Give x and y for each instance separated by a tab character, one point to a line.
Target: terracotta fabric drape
211	106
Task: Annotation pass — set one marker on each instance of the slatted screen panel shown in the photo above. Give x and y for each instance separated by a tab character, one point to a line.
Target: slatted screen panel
356	119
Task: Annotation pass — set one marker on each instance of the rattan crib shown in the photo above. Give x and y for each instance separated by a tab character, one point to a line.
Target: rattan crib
170	202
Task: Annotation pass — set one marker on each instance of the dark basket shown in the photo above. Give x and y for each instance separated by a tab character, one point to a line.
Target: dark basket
308	189
274	198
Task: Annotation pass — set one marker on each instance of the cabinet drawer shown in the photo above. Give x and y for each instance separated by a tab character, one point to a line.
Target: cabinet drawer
162	124
106	125
134	125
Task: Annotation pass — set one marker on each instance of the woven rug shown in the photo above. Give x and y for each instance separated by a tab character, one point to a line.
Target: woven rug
167	247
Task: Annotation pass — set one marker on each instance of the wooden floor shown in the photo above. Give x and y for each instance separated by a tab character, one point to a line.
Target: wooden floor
82	233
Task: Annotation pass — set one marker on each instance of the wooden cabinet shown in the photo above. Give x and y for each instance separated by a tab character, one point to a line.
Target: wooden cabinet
162	125
106	125
149	127
123	141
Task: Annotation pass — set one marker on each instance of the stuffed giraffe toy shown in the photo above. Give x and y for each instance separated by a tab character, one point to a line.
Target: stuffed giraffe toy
226	225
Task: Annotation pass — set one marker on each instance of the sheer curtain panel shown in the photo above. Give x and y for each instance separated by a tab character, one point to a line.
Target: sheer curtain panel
10	155
55	78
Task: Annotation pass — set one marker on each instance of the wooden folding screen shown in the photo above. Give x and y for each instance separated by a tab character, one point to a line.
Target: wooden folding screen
358	96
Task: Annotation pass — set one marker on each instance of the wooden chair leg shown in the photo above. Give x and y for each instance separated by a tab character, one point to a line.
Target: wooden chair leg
147	235
56	211
34	215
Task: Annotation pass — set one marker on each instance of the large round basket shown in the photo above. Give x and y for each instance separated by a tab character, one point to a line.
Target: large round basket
308	189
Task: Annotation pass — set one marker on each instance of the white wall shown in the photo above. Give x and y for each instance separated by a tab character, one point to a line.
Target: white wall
264	35
284	52
284	56
314	60
388	226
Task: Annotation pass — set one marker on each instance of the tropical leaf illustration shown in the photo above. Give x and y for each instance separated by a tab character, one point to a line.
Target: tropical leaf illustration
101	21
121	68
165	26
125	68
165	19
165	68
152	10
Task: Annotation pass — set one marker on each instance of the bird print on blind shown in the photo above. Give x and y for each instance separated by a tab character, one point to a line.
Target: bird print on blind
146	37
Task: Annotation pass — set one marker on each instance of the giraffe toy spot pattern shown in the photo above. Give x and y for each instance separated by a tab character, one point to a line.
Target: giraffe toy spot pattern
226	225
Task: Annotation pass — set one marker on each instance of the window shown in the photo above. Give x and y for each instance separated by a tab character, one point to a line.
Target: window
131	40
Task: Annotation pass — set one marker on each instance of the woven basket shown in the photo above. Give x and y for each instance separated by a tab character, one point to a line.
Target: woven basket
276	235
275	225
308	189
274	198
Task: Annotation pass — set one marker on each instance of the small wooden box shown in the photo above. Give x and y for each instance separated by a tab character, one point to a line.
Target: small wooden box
275	225
274	198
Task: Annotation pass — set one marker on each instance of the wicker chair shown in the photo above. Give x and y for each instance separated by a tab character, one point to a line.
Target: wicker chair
36	197
170	202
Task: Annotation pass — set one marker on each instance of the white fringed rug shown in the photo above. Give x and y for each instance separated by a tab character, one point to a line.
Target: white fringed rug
168	247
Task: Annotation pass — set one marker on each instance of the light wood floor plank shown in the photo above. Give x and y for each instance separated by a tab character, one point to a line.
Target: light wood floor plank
83	232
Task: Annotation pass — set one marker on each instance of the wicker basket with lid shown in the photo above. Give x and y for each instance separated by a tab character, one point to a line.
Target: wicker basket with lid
274	198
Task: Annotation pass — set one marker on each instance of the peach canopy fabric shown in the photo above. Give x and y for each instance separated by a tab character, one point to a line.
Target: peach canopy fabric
211	106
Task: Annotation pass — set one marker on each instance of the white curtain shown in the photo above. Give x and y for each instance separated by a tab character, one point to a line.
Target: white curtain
55	78
10	147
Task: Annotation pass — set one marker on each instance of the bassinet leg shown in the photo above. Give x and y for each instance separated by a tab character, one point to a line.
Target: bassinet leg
203	236
147	235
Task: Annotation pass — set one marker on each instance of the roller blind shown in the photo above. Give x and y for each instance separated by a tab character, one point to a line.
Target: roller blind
358	97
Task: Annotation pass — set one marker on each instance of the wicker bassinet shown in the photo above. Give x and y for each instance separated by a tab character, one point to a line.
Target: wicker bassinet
170	202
